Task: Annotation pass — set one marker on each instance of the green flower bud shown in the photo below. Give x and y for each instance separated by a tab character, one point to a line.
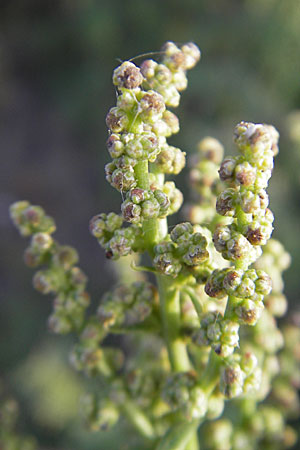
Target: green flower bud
215	406
143	146
248	312
122	179
127	101
197	252
167	264
232	380
41	242
121	244
214	286
138	195
182	393
31	219
253	138
131	212
127	76
32	258
221	237
103	226
152	106
211	149
263	283
254	203
245	174
115	146
174	195
150	209
238	248
44	281
276	304
226	202
259	232
226	170
59	323
181	232
248	362
65	256
170	160
172	122
117	120
218	435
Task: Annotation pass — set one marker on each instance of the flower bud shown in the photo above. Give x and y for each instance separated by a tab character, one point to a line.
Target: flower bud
167	264
226	170
127	76
115	146
214	286
65	256
170	160
248	312
226	202
232	380
221	237
245	174
181	232
43	281
117	120
211	149
152	106
174	195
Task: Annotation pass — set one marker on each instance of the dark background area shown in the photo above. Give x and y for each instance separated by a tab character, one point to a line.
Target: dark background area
56	60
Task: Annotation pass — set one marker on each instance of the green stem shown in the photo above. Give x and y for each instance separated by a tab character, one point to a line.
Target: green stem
170	312
180	436
195	301
138	419
211	373
155	230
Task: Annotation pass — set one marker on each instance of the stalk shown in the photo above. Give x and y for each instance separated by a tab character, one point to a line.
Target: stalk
156	230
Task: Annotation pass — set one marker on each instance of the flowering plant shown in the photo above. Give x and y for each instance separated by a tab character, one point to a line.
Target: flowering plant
205	332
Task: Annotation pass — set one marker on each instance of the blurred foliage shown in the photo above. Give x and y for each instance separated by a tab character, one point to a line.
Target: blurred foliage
56	59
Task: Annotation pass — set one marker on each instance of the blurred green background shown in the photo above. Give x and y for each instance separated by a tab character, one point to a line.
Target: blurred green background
56	59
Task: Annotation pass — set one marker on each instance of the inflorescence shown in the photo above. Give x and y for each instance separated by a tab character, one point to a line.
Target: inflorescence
207	328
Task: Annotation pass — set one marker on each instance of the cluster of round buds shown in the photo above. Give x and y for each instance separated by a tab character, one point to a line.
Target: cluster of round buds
245	200
120	173
136	112
135	146
219	333
204	168
60	275
30	219
234	246
115	240
142	204
240	376
182	393
250	288
169	78
99	414
186	249
127	305
170	160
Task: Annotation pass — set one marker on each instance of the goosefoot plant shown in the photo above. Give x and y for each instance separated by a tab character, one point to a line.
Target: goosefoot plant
205	332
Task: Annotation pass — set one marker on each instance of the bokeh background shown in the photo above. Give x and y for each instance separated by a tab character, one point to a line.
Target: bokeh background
56	59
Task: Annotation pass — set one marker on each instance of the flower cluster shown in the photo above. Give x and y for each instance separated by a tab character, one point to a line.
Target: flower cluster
138	128
187	349
185	249
59	275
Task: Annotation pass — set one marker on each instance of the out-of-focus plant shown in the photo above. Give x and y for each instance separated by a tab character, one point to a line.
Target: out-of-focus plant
205	332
